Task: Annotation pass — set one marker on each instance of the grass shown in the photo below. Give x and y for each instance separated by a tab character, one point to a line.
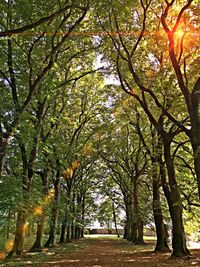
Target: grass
46	254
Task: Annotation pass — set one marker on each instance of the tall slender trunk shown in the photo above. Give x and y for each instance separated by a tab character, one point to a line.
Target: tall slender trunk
54	216
3	151
196	155
115	219
83	216
63	231
139	235
125	231
161	243
8	224
72	230
68	234
37	246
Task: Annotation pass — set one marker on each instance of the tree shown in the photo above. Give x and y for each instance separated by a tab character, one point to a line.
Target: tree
130	78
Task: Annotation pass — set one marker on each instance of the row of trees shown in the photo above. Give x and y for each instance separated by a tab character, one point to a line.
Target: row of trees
67	133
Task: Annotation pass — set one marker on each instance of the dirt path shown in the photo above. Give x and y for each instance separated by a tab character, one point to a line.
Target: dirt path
110	253
105	253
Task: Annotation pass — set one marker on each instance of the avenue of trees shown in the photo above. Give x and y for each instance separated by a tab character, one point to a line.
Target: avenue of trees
99	98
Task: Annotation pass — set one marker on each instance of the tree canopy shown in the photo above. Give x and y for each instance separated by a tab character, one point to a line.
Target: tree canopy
99	98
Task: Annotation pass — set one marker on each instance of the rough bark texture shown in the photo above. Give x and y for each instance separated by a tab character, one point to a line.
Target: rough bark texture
161	243
37	246
175	208
18	245
140	233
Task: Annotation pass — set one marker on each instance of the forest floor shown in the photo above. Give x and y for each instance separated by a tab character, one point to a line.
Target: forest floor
102	252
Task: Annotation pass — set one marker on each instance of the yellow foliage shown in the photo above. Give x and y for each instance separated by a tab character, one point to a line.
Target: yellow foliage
50	195
126	102
150	73
68	172
117	113
86	150
75	164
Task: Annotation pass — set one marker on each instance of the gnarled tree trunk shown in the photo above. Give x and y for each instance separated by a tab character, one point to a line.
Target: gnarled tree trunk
175	207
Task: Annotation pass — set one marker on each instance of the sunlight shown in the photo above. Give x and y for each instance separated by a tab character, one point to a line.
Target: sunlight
38	210
25	227
9	245
179	34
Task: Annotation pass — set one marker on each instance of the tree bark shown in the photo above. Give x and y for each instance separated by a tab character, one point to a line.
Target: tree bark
175	208
37	246
68	235
83	216
54	217
140	234
3	151
196	156
18	245
115	220
62	233
161	243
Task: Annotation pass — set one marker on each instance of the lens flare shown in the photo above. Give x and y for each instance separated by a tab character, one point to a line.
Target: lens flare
38	210
179	34
9	245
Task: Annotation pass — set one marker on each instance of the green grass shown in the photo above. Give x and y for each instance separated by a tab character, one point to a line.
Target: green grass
39	257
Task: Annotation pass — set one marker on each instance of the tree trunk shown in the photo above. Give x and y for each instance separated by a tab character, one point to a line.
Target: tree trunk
178	234
115	220
54	217
125	231
82	233
68	235
62	234
37	246
83	216
72	231
140	235
136	216
131	229
8	224
161	243
18	245
196	153
76	232
3	151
